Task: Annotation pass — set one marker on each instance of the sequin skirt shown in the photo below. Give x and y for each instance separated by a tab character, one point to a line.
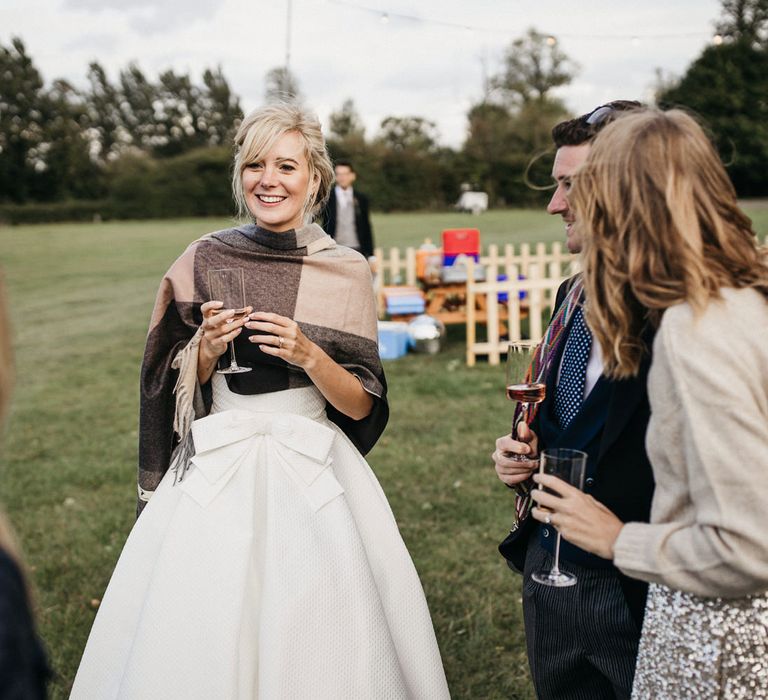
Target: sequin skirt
701	648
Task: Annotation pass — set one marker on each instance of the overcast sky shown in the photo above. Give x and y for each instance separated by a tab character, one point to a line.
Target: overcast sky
430	66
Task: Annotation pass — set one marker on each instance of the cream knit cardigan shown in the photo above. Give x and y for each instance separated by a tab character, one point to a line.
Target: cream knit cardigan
708	443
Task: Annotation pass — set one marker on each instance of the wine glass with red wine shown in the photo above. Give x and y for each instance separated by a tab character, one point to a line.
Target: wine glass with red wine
525	393
228	286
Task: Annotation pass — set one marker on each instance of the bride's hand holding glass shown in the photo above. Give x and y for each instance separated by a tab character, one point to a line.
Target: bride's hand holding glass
220	328
227	285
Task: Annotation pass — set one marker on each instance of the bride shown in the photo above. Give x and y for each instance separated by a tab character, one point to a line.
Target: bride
266	562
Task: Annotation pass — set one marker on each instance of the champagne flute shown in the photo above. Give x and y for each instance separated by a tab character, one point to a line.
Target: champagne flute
526	393
228	286
570	466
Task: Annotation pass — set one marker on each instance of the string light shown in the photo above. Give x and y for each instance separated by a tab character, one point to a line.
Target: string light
717	39
385	17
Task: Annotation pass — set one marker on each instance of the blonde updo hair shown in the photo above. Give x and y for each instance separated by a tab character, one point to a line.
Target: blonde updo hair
257	135
661	225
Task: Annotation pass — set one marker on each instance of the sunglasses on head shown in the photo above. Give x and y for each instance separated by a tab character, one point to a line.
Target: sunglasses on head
599	114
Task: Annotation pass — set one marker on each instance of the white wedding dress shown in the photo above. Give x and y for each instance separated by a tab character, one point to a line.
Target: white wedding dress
274	570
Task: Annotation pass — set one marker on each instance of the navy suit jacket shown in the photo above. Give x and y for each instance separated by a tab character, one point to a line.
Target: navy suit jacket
362	220
611	425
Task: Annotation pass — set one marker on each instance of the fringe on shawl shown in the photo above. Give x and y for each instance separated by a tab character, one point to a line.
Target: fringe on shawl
189	405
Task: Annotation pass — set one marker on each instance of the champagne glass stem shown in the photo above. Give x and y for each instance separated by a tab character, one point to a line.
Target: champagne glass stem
233	364
523	416
556	564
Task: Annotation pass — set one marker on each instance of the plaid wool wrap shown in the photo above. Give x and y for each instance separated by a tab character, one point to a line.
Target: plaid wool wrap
299	274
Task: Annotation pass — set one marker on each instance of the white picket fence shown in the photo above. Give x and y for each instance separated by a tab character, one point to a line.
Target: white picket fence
396	267
535	272
530	297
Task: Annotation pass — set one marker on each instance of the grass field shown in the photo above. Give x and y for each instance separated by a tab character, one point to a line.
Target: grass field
80	298
500	226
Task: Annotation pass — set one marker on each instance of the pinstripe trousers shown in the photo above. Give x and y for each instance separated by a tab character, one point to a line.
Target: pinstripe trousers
582	640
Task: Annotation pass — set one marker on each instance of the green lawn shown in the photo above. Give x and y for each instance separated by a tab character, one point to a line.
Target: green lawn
499	226
81	296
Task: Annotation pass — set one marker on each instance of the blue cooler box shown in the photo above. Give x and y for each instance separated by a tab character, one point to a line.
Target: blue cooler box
393	339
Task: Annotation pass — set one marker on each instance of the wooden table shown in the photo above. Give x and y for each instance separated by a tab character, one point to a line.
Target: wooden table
448	303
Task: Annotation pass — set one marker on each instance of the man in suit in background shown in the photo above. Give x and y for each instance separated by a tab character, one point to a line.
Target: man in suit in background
581	640
346	216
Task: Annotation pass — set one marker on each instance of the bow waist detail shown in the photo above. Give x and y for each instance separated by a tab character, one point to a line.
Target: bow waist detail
230	440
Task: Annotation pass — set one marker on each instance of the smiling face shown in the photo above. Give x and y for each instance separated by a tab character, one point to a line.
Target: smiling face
277	187
568	160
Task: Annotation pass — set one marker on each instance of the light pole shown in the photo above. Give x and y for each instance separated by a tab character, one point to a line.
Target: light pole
288	35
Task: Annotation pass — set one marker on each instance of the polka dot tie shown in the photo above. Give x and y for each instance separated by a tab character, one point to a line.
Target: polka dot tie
573	371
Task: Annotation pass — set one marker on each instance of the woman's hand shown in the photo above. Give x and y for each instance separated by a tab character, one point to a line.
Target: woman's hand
281	337
219	328
508	469
579	518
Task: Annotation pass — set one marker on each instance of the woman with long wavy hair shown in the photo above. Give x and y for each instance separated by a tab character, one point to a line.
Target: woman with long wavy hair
666	244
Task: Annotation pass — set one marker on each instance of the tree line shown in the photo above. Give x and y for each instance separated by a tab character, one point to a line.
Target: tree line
154	147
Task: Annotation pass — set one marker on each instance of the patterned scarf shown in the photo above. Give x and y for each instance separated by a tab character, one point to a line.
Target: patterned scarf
538	371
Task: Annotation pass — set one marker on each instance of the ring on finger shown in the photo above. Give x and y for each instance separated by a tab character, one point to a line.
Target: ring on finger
548	519
280	341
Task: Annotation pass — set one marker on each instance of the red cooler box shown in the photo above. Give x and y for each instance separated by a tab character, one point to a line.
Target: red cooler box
460	241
